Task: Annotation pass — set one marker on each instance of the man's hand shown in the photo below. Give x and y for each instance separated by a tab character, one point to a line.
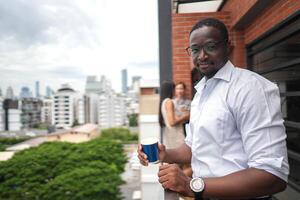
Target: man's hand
172	177
143	157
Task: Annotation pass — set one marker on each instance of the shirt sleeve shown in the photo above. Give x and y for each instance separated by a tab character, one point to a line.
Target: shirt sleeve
258	114
188	138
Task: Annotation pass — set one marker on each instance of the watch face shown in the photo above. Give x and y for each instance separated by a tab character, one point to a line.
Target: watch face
197	184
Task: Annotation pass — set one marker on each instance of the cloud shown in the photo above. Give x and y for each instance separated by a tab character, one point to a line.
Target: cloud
29	23
58	41
145	64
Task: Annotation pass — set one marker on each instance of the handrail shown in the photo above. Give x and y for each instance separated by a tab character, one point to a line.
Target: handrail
170	195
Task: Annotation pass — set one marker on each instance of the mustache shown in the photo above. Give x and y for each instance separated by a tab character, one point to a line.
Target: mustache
205	63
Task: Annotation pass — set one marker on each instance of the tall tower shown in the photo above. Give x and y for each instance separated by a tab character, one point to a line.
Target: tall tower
49	92
9	93
37	89
124	81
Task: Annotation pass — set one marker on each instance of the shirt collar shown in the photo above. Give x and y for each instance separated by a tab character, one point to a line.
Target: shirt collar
224	73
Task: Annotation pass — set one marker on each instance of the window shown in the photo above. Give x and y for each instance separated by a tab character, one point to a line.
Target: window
276	56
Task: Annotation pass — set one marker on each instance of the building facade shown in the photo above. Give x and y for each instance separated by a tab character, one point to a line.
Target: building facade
111	110
46	117
31	115
1	114
124	81
37	89
92	85
91	108
66	108
9	93
25	92
12	115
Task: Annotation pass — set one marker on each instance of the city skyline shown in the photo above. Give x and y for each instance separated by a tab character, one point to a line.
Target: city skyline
65	41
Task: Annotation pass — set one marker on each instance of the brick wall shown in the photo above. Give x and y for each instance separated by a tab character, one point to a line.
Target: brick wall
275	12
231	14
148	91
238	8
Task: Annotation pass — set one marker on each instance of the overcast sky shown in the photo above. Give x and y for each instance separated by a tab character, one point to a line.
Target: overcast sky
63	41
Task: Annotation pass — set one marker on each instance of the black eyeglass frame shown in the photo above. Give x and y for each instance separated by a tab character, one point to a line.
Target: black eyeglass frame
189	51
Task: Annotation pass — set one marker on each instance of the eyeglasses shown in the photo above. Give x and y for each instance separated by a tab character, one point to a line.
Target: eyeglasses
209	47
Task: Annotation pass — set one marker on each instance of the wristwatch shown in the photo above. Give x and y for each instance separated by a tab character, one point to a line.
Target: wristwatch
197	185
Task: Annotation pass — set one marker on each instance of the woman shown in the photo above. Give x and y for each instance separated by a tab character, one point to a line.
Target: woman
181	104
171	124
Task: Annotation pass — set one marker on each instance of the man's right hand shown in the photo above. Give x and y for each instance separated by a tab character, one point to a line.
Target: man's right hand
143	157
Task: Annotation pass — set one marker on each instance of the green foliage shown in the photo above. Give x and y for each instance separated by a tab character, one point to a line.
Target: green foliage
75	123
58	170
6	142
121	134
41	126
133	120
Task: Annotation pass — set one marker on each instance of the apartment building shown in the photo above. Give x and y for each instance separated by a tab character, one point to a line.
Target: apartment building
46	115
1	115
31	114
67	108
12	115
111	110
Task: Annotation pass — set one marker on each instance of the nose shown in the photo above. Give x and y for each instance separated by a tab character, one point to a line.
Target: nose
202	55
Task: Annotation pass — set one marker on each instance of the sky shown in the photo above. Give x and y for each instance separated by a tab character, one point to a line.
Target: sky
63	41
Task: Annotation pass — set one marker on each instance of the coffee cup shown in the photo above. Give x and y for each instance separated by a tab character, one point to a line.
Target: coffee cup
150	148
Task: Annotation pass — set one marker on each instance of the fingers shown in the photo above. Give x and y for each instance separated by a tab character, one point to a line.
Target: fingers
162	172
164	166
142	156
161	147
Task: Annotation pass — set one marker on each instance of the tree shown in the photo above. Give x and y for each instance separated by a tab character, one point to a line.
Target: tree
133	120
65	171
121	134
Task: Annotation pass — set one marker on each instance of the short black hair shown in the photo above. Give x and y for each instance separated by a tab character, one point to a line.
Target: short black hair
166	91
214	23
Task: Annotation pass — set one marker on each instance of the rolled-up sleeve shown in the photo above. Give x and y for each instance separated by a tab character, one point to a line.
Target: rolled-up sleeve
188	138
259	120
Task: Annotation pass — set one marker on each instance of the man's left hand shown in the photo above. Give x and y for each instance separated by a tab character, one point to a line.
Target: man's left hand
172	177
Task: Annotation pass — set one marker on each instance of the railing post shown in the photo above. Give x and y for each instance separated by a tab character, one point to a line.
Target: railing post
170	195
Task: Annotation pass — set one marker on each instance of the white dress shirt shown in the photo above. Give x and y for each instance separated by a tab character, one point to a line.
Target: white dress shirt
235	124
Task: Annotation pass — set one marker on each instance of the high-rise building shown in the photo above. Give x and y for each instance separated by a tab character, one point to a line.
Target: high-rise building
67	108
91	108
25	92
136	79
79	107
49	92
112	110
37	89
12	115
92	85
124	81
9	93
105	85
1	114
31	112
47	111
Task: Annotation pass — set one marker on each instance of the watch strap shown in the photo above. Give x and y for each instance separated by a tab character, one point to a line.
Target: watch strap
198	195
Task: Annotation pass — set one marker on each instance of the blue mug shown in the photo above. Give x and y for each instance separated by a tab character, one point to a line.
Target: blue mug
150	148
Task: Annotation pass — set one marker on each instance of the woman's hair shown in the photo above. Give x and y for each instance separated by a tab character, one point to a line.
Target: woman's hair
166	91
181	83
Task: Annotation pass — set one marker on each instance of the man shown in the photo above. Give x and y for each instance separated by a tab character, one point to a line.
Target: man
236	137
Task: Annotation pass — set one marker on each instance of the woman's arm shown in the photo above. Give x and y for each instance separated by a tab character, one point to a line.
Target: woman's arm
171	117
